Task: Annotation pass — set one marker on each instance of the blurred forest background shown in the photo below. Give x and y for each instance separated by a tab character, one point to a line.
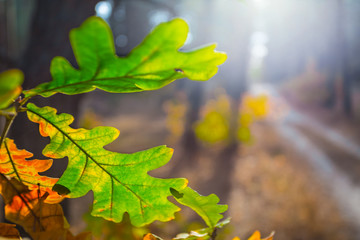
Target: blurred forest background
275	134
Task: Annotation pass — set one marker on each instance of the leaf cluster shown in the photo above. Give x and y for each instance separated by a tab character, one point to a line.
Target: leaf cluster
120	182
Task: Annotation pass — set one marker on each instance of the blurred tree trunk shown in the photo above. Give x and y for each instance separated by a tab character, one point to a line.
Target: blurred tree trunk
339	94
225	161
195	92
189	139
343	58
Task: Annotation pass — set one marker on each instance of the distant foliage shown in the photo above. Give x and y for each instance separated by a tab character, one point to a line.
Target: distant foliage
214	127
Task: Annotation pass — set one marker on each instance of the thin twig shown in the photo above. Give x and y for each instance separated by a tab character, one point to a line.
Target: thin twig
8	123
214	234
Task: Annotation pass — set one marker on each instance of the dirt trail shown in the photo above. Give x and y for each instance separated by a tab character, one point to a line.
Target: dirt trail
334	157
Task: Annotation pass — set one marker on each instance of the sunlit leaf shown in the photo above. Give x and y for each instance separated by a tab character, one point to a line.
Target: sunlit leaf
155	63
255	236
13	163
8	231
206	206
193	235
119	181
10	86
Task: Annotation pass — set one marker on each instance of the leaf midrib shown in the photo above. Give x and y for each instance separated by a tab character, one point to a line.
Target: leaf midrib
11	160
201	206
119	77
104	79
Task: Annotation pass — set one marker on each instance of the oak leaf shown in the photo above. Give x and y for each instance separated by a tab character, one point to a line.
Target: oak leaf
119	181
206	206
153	64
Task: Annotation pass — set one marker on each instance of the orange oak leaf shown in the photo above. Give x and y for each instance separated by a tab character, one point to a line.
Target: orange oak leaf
257	236
27	208
13	164
150	236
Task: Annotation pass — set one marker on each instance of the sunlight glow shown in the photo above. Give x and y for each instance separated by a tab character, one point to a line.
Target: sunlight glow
258	45
260	3
103	9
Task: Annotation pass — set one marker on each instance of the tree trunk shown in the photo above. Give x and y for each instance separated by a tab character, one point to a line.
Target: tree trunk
343	56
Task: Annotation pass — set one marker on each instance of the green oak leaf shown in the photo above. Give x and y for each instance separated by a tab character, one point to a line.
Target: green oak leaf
10	86
153	64
206	206
119	181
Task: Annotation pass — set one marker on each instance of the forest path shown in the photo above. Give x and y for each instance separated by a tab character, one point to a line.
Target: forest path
334	156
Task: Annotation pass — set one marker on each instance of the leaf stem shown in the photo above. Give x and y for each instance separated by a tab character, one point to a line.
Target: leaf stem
12	162
213	234
22	102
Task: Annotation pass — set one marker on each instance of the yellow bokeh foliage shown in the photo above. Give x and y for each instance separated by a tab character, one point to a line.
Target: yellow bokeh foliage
214	126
